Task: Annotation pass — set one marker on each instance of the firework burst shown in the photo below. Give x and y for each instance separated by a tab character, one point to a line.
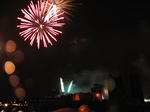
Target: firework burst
41	23
65	6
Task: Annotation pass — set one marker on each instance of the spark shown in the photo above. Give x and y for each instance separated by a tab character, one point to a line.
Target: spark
65	6
41	23
69	88
62	85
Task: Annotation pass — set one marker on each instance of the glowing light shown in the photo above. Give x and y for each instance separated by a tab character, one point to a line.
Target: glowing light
9	67
3	111
6	105
10	46
14	80
84	108
62	85
98	96
105	94
20	93
146	100
40	23
69	88
19	56
65	6
76	97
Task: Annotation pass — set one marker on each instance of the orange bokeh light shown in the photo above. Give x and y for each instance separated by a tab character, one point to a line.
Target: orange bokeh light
20	93
10	46
14	80
84	108
19	56
9	67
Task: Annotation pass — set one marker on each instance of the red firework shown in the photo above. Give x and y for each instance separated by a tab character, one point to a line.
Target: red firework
40	23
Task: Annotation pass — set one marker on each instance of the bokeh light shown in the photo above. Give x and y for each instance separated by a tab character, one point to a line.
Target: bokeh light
19	56
84	108
10	46
9	67
20	93
6	105
110	84
14	80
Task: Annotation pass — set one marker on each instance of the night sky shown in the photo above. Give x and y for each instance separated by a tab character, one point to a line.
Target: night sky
101	38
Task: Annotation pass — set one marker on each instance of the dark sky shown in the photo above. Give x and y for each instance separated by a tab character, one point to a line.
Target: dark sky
103	37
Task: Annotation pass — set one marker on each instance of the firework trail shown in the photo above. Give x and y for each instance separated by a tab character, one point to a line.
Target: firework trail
62	85
41	23
65	6
69	88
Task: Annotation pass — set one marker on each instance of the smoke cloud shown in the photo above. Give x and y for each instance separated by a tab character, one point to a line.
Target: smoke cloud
83	81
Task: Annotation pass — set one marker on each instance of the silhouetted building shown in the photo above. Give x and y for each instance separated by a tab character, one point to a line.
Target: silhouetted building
133	88
127	89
